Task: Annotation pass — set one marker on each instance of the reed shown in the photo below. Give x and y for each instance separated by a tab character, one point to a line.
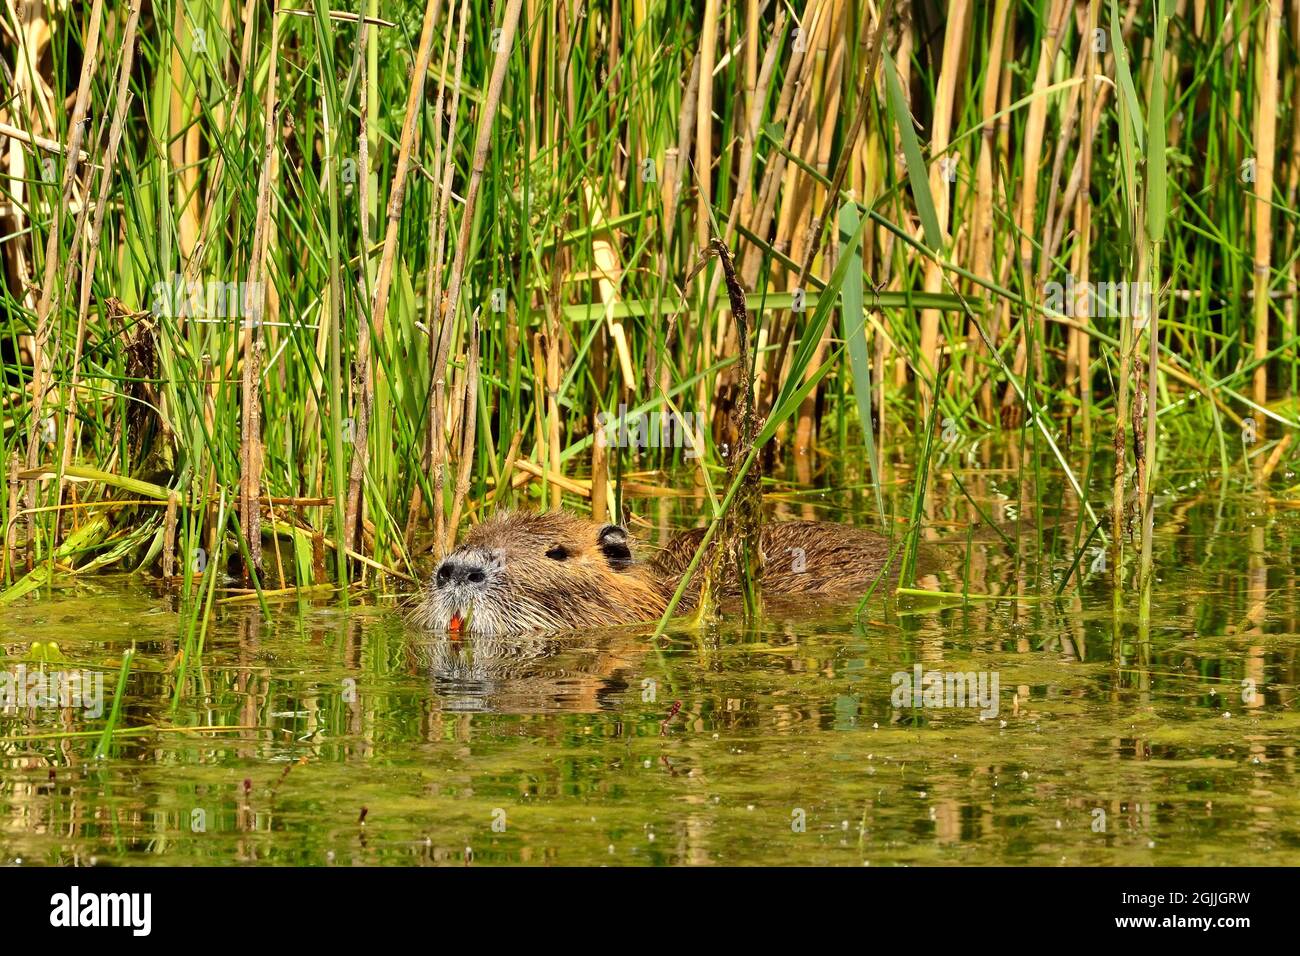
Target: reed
347	278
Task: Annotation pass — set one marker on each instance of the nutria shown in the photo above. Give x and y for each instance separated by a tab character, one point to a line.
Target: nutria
521	572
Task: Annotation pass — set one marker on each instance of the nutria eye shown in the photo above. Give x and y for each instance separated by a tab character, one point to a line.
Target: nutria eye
557	553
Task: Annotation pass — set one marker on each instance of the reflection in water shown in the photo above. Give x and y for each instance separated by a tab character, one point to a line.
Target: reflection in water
774	743
532	673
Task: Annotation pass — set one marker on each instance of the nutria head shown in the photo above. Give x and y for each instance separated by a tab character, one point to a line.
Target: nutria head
520	572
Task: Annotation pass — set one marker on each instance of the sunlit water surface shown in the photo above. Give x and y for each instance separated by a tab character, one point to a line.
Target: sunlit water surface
348	738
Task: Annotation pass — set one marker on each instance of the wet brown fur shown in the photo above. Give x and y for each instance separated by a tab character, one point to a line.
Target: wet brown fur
597	584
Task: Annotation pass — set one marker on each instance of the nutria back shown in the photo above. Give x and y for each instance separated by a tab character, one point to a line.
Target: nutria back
799	557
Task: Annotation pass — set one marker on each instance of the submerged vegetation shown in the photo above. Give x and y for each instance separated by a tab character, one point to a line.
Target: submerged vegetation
298	291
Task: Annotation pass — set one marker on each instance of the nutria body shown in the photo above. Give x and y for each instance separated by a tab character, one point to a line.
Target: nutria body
521	572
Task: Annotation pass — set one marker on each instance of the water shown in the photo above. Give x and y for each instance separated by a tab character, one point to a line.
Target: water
352	740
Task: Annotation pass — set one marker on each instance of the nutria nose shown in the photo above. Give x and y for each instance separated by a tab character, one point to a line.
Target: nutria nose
455	571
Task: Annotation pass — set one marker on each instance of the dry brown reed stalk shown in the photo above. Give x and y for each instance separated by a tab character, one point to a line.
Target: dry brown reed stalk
397	192
609	276
726	335
250	424
902	215
363	378
1076	178
702	168
1081	344
468	426
437	232
1292	308
530	471
823	200
10	531
708	57
535	81
786	114
1265	144
982	230
753	82
1275	458
208	375
572	24
942	174
123	98
503	481
194	262
41	142
368	371
437	450
48	301
1027	211
82	206
1054	218
674	162
618	162
183	136
797	187
819	125
743	203
784	333
552	362
29	99
599	474
1000	327
169	537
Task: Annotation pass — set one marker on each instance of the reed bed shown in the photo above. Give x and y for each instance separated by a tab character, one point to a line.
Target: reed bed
296	292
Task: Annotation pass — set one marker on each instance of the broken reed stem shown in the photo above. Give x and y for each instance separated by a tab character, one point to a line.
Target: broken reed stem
738	542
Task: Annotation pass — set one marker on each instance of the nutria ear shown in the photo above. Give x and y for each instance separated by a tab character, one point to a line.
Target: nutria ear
612	541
